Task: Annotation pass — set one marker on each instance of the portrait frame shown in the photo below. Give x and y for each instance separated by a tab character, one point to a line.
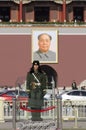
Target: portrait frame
53	46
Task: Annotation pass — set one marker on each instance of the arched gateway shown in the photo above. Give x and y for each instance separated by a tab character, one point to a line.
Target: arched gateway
51	73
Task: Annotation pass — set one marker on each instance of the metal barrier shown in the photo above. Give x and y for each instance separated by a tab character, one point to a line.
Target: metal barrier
8	110
70	110
74	109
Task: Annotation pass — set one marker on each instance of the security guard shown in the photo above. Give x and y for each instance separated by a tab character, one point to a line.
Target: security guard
36	87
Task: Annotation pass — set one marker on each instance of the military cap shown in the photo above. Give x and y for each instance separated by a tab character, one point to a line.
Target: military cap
36	62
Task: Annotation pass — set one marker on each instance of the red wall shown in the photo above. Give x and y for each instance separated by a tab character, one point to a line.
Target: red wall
15	59
72	59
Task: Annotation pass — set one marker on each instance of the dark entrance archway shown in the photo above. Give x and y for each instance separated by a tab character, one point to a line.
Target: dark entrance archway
41	14
5	14
51	73
78	13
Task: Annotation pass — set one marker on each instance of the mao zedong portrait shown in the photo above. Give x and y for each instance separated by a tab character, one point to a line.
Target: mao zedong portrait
44	53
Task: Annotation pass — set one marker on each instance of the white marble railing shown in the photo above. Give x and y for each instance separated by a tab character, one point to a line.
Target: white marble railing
70	110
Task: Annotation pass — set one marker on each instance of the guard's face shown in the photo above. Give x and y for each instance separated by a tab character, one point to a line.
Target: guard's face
44	43
36	67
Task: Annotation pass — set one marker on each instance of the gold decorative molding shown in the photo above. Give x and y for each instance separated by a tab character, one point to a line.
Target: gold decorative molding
23	1
61	1
56	1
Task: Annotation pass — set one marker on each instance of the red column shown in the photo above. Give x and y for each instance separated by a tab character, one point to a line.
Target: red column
64	10
20	11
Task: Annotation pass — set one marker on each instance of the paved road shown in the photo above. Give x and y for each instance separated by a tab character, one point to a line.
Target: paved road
67	125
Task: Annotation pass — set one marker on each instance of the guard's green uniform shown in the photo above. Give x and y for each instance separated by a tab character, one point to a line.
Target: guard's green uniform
36	92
